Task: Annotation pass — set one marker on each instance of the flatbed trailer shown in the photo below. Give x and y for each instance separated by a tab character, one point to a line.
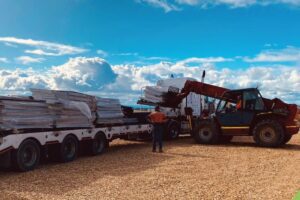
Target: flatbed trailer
24	150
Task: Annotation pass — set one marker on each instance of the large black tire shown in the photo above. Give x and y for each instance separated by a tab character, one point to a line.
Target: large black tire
69	149
27	156
287	138
206	132
268	133
173	130
99	144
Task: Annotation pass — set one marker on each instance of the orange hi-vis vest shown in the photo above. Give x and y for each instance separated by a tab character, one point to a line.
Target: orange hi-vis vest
239	105
157	117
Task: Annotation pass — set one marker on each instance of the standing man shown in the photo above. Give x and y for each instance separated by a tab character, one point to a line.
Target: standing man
158	120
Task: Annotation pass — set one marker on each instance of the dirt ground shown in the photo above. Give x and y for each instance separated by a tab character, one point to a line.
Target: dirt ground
129	170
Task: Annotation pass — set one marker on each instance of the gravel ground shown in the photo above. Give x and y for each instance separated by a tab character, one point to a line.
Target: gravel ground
129	170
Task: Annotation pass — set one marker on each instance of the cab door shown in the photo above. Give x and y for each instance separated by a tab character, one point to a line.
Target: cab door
231	120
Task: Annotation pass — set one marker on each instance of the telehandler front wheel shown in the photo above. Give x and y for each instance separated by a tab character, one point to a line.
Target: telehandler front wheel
268	133
206	133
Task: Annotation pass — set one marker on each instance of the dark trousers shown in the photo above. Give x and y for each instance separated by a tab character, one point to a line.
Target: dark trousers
157	135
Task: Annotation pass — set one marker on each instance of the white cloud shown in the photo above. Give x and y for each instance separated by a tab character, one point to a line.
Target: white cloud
102	53
288	54
44	47
164	4
205	60
3	60
167	5
274	81
18	81
40	52
10	45
96	76
25	60
80	73
209	3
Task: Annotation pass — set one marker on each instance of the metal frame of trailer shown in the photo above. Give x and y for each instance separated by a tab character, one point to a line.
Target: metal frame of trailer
13	141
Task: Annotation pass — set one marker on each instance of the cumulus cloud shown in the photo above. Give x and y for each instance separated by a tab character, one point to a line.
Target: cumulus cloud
25	60
20	80
288	54
80	74
274	81
96	76
169	5
84	74
43	47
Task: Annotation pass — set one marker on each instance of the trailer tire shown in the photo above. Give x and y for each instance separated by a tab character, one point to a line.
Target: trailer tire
206	132
99	144
173	130
27	156
69	149
268	133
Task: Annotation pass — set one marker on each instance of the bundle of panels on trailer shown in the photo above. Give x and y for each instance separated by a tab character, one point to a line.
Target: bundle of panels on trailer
24	113
48	109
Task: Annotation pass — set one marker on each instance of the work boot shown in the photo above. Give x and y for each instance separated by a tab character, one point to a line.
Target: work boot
160	151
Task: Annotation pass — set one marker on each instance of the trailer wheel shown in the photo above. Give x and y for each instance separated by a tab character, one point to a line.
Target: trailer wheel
268	133
68	149
173	130
206	133
99	144
27	156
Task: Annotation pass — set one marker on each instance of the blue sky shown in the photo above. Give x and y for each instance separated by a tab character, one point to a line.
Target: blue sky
60	44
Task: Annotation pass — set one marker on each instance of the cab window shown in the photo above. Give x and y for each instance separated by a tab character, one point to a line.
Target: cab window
252	101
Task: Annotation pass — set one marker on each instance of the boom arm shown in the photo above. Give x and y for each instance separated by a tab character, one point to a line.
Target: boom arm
198	88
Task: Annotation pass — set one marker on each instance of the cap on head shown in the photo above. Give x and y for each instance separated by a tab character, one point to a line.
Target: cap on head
157	108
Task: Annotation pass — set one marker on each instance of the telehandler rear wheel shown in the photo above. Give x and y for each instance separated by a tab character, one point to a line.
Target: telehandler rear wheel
268	133
206	133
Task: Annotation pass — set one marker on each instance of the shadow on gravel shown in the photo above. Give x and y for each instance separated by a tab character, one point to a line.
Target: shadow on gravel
287	147
239	141
59	178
